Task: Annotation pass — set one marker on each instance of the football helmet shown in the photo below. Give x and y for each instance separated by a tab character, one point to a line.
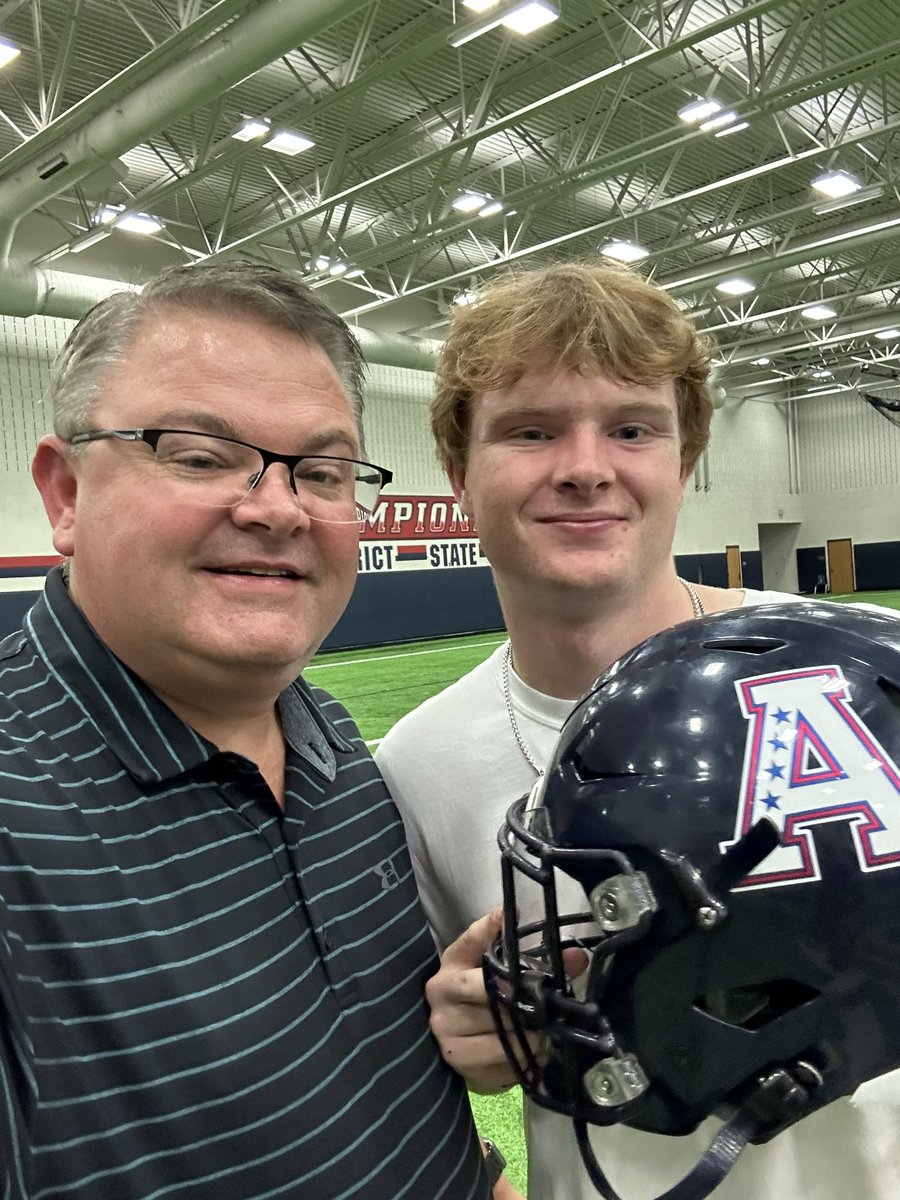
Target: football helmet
727	800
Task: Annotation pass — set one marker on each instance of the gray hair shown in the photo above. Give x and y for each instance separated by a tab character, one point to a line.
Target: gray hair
103	336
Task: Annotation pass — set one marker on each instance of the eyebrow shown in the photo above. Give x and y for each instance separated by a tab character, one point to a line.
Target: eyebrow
206	422
191	418
536	411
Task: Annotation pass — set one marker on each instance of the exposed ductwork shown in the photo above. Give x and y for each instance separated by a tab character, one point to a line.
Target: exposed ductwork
249	42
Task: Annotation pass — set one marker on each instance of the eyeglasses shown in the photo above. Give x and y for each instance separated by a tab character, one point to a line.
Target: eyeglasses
221	471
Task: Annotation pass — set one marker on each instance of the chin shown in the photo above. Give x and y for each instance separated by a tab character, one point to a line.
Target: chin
280	656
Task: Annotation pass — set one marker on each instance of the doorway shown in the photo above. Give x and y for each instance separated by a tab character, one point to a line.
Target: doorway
735	569
841	573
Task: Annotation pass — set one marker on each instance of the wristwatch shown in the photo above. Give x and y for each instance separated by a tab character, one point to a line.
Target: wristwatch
494	1162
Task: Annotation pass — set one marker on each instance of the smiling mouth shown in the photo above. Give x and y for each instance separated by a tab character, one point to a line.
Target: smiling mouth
581	518
258	572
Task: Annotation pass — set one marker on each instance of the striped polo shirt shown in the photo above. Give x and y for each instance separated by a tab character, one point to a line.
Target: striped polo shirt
200	995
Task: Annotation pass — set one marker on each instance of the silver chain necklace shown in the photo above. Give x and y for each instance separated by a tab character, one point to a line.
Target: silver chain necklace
696	602
698	611
514	724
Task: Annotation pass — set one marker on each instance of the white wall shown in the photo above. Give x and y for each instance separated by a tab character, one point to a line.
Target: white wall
849	470
849	457
27	347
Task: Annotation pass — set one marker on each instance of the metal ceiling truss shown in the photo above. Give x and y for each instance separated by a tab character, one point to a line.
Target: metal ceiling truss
575	131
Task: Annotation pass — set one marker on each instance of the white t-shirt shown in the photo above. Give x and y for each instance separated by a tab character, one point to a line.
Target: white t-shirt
454	768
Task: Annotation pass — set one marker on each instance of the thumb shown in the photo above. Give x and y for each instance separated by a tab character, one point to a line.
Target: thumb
469	948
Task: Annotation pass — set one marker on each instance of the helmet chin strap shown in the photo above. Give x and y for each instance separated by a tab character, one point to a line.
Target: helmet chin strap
709	1172
779	1097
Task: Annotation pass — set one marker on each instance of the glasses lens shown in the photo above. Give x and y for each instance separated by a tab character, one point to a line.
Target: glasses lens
337	489
215	471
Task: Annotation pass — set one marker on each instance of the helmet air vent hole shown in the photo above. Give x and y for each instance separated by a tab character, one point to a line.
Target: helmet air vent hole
745	645
756	1005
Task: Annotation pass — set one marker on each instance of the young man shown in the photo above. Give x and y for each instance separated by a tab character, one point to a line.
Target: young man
571	407
211	952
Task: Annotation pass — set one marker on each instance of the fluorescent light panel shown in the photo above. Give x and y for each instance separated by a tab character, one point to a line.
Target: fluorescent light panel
8	52
835	184
888	335
718	121
140	223
698	110
523	16
534	14
818	312
289	143
732	129
110	214
623	251
251	129
736	287
866	193
469	202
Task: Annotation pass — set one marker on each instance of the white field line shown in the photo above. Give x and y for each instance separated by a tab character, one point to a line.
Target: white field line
352	662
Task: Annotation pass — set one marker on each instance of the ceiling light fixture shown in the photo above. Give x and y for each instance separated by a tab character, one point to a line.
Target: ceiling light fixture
818	312
289	143
698	110
736	287
8	52
732	129
111	214
719	121
836	184
528	17
469	202
466	297
520	16
354	273
888	335
623	251
89	238
760	362
859	197
491	208
252	128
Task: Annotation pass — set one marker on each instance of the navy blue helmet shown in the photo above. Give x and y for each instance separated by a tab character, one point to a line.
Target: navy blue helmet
727	799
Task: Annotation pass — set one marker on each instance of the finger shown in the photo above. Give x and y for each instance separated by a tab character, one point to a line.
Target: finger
468	950
483	1060
575	962
453	986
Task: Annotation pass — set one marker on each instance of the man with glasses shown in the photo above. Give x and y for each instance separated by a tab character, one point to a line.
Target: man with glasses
212	956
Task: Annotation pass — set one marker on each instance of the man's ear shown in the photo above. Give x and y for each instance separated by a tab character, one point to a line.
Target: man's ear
457	476
57	481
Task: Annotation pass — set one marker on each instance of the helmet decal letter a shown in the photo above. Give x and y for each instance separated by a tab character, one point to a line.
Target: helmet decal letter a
810	759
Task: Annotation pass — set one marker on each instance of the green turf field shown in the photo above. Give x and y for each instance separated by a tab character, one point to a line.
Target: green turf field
381	683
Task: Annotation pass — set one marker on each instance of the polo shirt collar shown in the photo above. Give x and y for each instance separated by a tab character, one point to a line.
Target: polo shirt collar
150	740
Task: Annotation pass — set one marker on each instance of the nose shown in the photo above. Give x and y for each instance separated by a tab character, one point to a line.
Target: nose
583	459
272	503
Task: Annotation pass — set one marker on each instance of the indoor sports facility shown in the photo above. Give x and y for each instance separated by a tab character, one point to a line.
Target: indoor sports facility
395	154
